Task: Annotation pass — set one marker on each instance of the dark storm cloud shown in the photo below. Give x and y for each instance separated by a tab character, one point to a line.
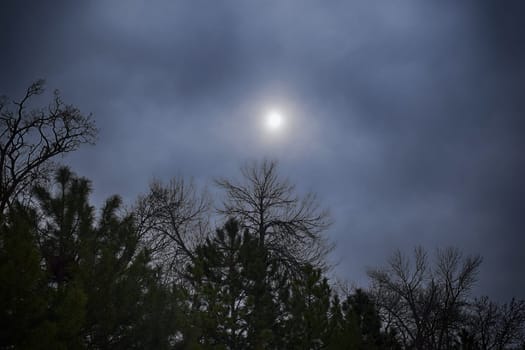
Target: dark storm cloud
408	115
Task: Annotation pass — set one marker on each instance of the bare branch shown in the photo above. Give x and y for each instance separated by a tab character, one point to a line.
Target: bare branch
31	139
269	207
496	326
425	305
172	220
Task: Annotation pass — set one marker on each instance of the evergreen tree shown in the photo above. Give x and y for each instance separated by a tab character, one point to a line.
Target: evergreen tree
308	306
361	311
24	298
234	293
220	288
343	330
70	283
355	324
125	294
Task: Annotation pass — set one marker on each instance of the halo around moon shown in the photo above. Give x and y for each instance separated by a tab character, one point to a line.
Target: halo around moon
274	120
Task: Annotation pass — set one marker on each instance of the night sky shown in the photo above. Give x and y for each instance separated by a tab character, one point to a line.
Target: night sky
405	117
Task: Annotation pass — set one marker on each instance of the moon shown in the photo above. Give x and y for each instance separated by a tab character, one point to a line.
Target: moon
274	120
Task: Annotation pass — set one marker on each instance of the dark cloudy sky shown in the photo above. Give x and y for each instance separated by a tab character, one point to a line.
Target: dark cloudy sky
406	117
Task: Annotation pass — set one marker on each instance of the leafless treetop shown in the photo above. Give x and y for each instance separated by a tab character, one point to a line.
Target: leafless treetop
268	206
173	219
31	138
424	301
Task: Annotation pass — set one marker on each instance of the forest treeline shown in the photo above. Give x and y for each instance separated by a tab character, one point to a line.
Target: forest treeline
159	275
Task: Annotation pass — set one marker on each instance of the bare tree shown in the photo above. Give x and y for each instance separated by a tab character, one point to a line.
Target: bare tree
30	139
425	304
172	220
286	224
497	326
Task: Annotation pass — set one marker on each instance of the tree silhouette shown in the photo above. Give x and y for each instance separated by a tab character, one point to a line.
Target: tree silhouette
30	139
24	321
287	225
172	219
82	282
496	326
424	304
220	288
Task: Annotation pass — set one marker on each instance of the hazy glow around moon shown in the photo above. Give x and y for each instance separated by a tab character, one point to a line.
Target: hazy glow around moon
274	120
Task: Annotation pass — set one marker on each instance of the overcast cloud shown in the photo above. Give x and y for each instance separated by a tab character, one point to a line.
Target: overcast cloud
406	117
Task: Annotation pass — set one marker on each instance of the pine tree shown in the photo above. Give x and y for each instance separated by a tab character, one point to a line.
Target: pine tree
77	284
219	289
308	305
24	298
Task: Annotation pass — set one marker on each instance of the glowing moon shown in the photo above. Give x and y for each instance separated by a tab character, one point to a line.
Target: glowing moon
274	120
